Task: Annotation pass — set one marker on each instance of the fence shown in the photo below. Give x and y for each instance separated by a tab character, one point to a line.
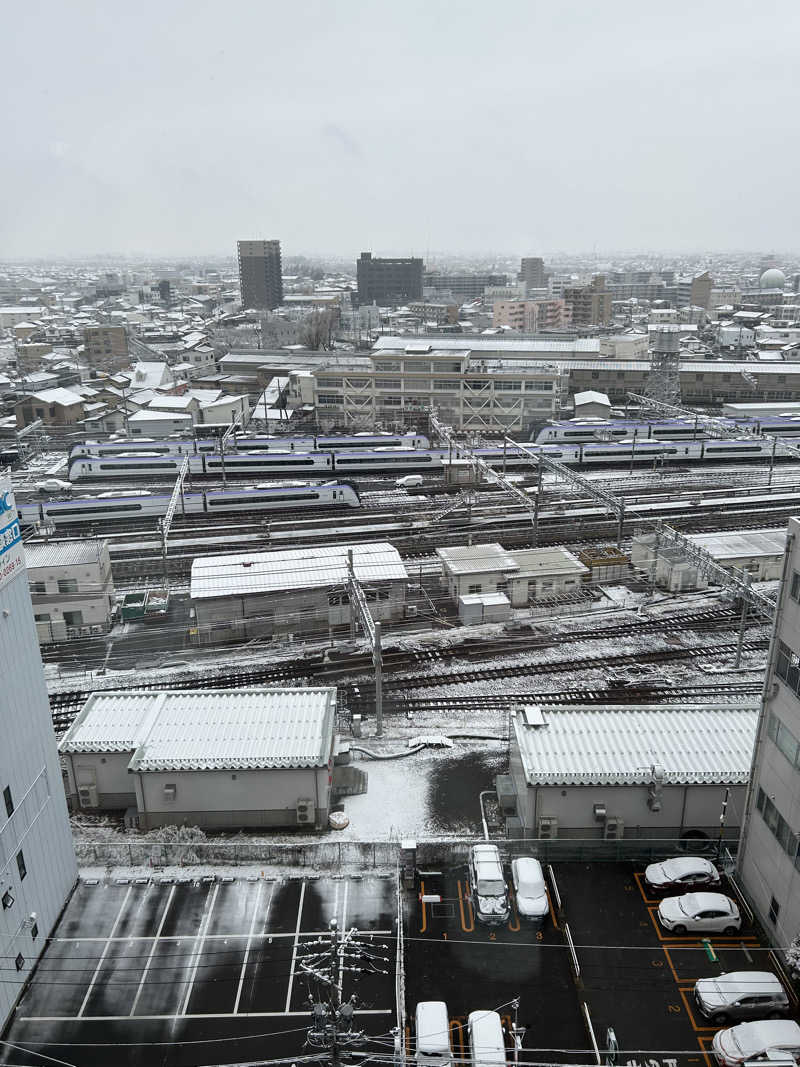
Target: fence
142	851
400	978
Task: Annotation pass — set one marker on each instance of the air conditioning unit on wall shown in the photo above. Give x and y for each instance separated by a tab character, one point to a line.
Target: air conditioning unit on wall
87	796
614	828
548	827
305	811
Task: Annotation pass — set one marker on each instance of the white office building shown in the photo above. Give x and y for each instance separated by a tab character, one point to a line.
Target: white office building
37	862
769	855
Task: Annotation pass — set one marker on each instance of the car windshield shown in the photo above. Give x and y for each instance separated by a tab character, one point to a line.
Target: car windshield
491	887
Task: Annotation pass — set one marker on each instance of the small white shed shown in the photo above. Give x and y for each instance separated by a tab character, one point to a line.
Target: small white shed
592	405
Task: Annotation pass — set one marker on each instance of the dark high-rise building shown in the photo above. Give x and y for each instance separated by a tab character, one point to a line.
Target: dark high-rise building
531	272
388	281
260	273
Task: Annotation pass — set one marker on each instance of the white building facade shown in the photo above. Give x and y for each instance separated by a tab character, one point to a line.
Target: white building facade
71	588
37	861
769	854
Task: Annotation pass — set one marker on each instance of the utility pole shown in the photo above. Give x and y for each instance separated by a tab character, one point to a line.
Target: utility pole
358	602
324	962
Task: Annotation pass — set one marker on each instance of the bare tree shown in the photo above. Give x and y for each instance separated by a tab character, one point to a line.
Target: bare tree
317	331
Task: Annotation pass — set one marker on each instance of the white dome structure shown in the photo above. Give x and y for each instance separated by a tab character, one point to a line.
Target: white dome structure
772	279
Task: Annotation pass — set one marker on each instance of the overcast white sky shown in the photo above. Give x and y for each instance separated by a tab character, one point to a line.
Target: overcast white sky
440	125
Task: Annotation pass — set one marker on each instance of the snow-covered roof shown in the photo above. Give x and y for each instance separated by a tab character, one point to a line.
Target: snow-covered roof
487	344
225	729
591	396
158	416
306	568
476	559
62	553
58	396
627	745
742	544
547	561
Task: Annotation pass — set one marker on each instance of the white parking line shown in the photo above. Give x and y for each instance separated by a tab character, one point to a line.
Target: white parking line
198	952
100	962
152	950
294	950
250	939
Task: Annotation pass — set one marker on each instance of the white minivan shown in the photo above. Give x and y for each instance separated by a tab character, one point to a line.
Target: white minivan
487	1046
432	1024
763	1040
488	884
409	481
529	889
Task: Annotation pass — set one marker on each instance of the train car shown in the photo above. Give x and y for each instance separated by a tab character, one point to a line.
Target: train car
389	459
142	505
368	440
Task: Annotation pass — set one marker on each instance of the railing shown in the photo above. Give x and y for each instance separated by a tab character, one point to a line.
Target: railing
144	850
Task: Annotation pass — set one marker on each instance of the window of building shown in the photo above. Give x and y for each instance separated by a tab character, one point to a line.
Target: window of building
36	587
34	931
329	400
23	870
539	387
387	365
329	383
68	585
392	401
19	962
444	386
73	618
784	739
509	386
8	800
778	826
475	588
787	666
388	383
794	592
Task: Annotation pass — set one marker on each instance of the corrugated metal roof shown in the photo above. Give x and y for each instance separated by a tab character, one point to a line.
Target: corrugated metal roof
488	344
737	545
226	729
62	553
620	745
477	559
307	568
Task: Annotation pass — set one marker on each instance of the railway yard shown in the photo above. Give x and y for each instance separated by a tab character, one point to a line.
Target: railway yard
450	689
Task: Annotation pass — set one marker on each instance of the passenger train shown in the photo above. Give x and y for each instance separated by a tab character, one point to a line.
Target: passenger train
144	505
267	443
662	429
394	460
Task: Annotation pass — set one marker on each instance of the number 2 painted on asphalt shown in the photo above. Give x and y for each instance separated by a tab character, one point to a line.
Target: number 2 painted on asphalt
673	1009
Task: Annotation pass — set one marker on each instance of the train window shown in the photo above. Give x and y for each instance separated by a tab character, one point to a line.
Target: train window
382	460
259	461
264	498
125	466
733	448
105	508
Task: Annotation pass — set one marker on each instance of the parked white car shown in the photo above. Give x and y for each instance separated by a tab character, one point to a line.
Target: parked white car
741	995
488	884
682	872
764	1040
409	481
529	888
704	912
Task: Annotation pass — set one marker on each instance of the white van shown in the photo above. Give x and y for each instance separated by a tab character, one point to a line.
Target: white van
432	1024
409	481
486	1043
763	1040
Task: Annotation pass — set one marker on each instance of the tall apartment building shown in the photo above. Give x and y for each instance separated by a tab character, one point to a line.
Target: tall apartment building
531	272
37	861
462	286
471	391
260	275
694	292
589	305
106	347
529	316
388	282
769	850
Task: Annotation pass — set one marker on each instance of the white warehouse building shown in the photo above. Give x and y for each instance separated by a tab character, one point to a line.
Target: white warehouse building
220	758
297	591
37	861
650	771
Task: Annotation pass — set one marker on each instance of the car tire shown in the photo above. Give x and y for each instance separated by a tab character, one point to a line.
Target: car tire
729	931
719	1020
679	929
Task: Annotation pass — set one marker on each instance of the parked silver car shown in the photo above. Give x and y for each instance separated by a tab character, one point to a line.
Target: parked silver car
741	995
705	912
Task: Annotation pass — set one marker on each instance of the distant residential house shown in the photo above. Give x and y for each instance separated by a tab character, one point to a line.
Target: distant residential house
151	375
55	407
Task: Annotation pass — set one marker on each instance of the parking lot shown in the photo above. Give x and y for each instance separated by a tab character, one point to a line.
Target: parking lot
630	974
200	972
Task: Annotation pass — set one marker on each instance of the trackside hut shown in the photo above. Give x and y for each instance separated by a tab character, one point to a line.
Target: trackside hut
258	594
228	758
612	771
